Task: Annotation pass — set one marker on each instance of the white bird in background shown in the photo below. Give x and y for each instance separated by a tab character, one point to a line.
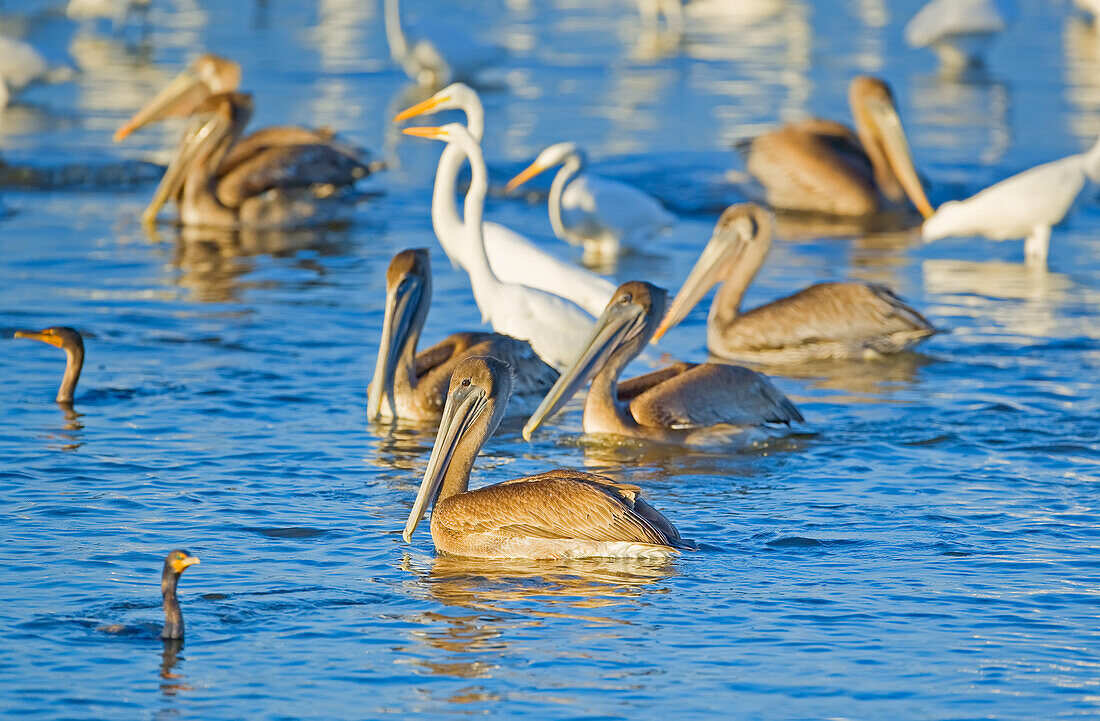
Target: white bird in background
600	214
555	327
441	55
512	257
1026	205
957	30
1092	7
20	65
117	11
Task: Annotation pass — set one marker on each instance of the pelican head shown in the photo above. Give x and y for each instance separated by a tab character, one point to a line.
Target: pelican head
883	137
206	75
551	157
408	295
478	395
70	341
457	96
216	122
740	228
626	325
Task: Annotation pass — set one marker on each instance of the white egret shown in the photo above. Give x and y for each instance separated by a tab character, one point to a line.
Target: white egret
554	326
1026	205
511	255
20	65
447	55
957	30
600	214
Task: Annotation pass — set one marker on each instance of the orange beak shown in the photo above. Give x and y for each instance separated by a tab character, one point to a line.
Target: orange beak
44	336
419	109
529	172
433	133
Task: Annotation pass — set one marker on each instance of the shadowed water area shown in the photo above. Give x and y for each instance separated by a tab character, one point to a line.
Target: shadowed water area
924	547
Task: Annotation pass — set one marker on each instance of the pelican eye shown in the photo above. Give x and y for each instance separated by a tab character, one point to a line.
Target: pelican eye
625	298
465	382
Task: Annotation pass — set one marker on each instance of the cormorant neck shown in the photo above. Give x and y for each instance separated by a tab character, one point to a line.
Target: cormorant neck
173	618
74	361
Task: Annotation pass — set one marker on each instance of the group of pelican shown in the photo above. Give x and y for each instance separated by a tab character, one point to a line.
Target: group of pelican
558	327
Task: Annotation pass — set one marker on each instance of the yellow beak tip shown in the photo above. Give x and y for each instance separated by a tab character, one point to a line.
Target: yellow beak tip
407	535
527	433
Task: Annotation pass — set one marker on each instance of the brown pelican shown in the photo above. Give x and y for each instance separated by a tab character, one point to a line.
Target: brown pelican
415	384
68	340
695	404
822	166
825	321
558	514
280	186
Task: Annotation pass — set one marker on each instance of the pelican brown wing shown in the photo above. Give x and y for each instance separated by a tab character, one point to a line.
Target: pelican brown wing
561	505
531	374
853	315
711	394
287	167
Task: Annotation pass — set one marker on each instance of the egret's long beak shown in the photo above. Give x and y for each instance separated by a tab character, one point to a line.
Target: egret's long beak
433	133
526	174
898	155
207	134
422	108
400	308
44	336
179	97
464	405
617	323
185	562
724	247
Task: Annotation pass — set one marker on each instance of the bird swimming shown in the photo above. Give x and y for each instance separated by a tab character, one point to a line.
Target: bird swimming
511	255
281	186
413	385
70	341
822	166
557	514
837	320
686	403
175	563
1026	205
598	213
555	326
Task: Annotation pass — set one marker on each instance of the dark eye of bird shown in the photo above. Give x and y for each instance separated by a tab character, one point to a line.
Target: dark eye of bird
625	298
465	381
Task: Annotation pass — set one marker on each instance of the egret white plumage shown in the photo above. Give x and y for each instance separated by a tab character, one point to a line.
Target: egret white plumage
1026	205
554	326
957	30
511	255
117	11
437	57
20	65
597	213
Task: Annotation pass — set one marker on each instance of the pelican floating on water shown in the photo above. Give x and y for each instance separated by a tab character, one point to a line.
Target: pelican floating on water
825	321
70	341
511	255
558	514
1027	205
415	384
694	404
446	56
597	213
281	186
555	326
822	166
957	30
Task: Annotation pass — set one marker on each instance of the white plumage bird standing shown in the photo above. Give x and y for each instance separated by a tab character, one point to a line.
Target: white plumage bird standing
436	58
1027	205
598	213
957	30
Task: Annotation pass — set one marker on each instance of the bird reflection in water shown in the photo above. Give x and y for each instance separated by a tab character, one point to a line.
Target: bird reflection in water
212	263
171	683
504	595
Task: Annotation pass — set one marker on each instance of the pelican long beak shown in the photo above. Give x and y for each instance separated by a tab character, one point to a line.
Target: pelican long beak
896	148
44	336
433	133
526	174
400	308
724	247
179	97
464	405
184	563
423	108
615	326
202	137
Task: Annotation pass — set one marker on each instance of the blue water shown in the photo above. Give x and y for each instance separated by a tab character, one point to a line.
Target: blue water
926	549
